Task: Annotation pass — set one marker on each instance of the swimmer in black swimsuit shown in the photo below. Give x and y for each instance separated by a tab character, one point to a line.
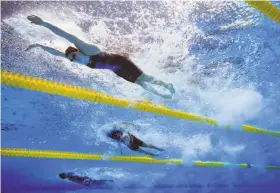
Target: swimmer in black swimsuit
84	180
93	57
132	142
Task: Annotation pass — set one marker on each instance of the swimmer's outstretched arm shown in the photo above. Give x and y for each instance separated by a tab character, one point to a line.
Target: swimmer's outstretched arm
126	126
87	49
47	49
120	146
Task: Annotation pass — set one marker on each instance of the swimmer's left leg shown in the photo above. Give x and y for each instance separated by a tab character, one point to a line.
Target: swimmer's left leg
152	146
146	152
88	182
151	89
150	79
103	182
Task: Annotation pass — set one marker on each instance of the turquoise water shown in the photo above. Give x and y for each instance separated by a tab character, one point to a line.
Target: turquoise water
222	57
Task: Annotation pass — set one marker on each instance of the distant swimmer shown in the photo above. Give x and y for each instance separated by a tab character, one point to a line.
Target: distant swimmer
84	180
119	134
91	56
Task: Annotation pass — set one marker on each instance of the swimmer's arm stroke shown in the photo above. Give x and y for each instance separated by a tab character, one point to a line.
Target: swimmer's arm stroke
47	49
127	125
120	146
87	49
120	126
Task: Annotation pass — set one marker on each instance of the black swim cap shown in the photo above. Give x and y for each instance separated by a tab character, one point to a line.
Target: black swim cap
63	175
115	134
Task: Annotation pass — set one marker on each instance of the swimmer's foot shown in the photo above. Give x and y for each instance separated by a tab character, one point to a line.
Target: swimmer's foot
170	88
154	154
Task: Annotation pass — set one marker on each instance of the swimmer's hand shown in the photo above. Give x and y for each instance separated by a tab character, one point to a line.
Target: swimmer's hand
35	19
34	46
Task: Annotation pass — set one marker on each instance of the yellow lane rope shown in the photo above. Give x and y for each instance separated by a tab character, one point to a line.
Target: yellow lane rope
52	87
267	9
13	152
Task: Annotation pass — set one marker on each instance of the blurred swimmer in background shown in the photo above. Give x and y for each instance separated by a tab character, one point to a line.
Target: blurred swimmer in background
122	136
84	180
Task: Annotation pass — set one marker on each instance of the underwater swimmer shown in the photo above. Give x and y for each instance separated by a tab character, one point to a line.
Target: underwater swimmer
91	56
84	180
119	134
